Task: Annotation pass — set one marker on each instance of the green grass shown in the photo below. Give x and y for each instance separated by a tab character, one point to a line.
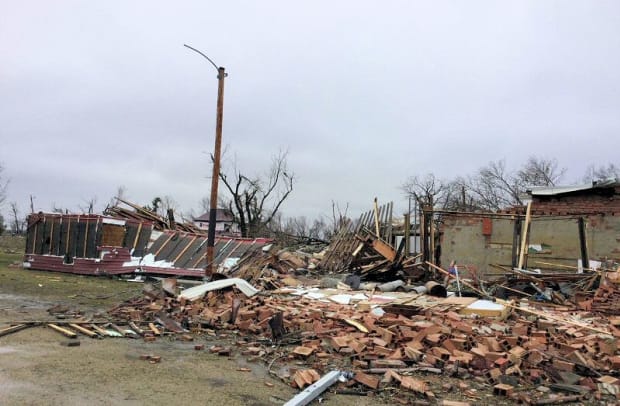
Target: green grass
11	250
13	245
96	291
7	259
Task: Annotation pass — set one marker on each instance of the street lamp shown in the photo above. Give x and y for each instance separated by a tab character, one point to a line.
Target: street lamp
221	74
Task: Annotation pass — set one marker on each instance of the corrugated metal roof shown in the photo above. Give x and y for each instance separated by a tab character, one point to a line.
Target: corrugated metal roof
558	190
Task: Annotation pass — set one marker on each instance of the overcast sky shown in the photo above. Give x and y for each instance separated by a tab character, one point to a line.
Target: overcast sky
94	95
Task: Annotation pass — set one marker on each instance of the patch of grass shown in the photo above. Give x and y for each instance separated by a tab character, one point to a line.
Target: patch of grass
7	259
12	244
95	291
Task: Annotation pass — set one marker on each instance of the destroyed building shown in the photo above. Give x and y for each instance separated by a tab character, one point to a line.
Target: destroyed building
569	226
380	342
125	242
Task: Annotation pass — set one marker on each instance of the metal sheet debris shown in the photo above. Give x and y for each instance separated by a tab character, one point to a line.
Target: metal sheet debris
197	292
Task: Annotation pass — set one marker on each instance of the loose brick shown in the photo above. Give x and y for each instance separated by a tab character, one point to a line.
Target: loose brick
365	379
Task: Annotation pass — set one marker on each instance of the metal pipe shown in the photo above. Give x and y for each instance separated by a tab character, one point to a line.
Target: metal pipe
314	390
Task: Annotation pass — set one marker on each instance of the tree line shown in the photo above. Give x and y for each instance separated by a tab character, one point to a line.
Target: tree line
255	200
494	186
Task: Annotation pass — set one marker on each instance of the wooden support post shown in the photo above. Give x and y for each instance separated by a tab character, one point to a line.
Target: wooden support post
34	238
377	228
524	236
67	239
85	238
407	235
135	240
583	244
423	235
388	237
516	235
431	224
51	237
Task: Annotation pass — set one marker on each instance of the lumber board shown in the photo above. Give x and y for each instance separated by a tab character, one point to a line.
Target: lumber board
14	329
526	226
154	329
64	331
99	330
84	330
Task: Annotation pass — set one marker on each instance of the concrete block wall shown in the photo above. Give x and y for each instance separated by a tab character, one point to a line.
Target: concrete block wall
462	240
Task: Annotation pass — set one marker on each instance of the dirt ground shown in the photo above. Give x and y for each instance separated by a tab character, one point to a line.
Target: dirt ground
35	369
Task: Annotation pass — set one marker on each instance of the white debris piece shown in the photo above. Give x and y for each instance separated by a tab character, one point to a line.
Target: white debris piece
148	260
199	291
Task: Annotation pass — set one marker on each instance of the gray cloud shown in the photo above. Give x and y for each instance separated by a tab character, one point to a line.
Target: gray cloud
362	94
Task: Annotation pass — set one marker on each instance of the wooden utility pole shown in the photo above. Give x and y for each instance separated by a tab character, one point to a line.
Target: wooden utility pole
215	177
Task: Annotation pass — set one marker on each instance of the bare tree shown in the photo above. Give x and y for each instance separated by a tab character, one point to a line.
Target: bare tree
594	173
58	209
121	194
538	171
17	224
459	196
255	201
295	229
299	226
426	190
495	186
203	208
168	203
4	184
319	229
492	187
89	206
204	205
339	218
